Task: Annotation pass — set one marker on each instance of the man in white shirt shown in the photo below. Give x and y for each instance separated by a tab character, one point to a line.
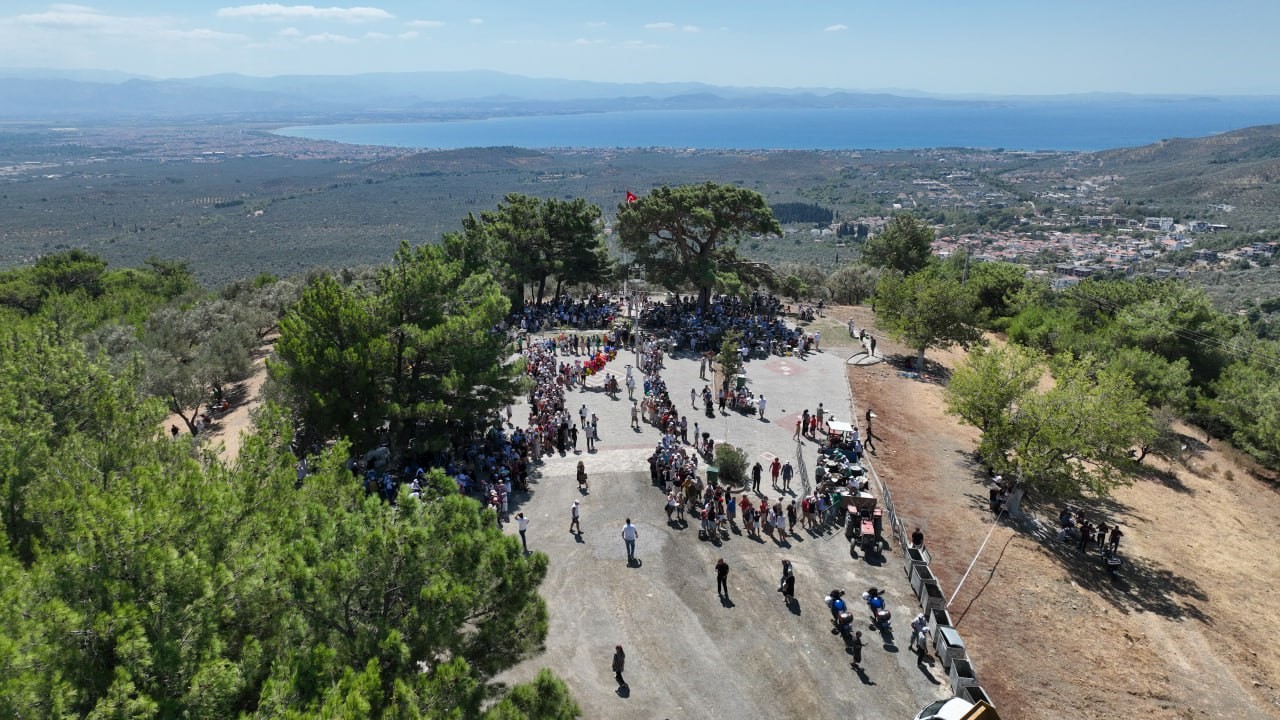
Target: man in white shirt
522	523
629	535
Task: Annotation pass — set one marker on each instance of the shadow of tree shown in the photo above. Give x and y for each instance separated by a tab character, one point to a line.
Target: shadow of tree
1162	477
1140	586
934	372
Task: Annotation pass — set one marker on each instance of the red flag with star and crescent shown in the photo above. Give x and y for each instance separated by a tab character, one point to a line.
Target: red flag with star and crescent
631	197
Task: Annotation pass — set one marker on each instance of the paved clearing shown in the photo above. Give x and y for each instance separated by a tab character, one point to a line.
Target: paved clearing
689	654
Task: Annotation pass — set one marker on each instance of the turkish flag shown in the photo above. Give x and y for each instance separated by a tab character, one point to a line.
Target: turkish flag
631	197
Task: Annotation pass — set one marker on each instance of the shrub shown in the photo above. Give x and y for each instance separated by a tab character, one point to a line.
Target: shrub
732	462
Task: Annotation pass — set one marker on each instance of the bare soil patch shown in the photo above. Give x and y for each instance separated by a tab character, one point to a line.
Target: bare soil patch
225	431
1185	632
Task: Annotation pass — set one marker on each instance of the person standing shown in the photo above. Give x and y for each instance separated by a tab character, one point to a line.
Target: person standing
619	664
799	423
522	523
917	539
635	415
693	397
574	515
872	340
1113	542
787	473
722	577
775	468
917	623
629	535
582	413
702	369
761	405
820	414
922	644
856	646
804	422
756	472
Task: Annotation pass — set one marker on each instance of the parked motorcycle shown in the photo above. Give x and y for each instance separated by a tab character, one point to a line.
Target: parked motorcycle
880	615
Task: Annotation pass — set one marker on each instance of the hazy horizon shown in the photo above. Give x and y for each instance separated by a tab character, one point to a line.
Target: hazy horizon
989	47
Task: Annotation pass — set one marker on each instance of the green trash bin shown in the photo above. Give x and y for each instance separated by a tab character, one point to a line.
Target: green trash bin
713	475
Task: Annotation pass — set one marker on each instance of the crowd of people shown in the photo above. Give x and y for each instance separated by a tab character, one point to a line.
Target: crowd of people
592	312
759	319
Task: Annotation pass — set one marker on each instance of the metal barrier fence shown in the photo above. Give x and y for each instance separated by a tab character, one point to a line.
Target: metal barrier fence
963	676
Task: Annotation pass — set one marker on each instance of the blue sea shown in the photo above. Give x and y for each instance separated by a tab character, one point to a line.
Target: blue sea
1029	126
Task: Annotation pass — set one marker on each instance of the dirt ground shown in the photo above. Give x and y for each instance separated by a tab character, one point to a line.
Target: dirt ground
225	430
1185	632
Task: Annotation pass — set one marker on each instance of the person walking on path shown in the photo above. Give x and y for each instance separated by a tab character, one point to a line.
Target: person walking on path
872	340
629	535
635	415
804	422
917	539
775	468
761	406
574	515
856	647
787	583
787	473
756	472
522	523
619	664
582	477
799	423
702	368
722	577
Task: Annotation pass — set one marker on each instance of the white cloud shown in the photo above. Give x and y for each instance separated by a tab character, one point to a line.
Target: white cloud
276	11
691	28
838	27
585	41
411	35
426	23
201	34
476	21
376	36
290	32
640	45
660	26
63	17
327	37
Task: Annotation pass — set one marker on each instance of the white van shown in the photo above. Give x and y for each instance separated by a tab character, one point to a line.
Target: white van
957	709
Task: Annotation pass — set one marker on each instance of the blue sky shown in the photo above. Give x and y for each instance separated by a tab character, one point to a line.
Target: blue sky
941	46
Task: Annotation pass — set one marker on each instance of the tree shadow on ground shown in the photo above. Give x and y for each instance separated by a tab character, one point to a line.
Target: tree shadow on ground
1141	585
934	372
1161	477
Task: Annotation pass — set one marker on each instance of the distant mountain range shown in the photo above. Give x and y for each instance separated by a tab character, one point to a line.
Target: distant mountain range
57	96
